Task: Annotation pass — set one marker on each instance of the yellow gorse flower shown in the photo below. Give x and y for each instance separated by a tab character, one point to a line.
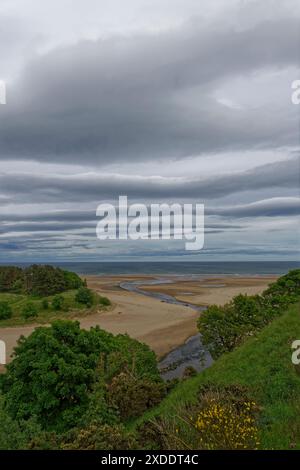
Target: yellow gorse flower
225	426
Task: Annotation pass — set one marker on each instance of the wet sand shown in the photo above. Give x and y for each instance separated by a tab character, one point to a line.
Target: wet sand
161	325
212	290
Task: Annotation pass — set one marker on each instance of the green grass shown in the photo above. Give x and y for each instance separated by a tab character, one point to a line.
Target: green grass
262	364
70	309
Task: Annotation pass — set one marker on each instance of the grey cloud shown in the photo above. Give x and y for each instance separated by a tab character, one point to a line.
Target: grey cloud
274	207
42	227
147	97
28	188
49	216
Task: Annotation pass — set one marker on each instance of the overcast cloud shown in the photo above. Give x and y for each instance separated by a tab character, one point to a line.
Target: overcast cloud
160	100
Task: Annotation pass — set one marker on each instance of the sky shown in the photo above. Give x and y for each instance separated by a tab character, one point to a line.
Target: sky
165	101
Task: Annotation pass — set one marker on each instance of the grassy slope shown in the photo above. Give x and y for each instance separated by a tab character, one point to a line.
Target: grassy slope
70	309
263	364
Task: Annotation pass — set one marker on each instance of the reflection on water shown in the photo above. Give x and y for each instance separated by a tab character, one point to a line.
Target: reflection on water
190	354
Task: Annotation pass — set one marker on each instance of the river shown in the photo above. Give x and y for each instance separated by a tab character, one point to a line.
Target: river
190	354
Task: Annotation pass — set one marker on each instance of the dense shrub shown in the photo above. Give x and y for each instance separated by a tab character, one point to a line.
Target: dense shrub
84	296
44	280
72	280
40	280
57	302
225	327
18	286
57	371
284	291
5	311
103	437
9	275
29	310
104	301
45	304
226	421
15	435
125	386
221	417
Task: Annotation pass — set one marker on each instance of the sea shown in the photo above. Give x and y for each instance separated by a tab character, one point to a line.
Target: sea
175	267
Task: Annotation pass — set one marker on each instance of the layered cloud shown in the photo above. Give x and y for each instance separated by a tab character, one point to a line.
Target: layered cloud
147	105
98	186
149	96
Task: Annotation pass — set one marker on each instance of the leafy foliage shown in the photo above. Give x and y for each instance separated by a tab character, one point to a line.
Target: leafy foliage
39	280
262	365
18	286
5	310
146	392
224	328
57	302
54	372
29	310
104	301
72	280
221	418
103	437
284	291
9	275
45	304
84	296
14	434
226	420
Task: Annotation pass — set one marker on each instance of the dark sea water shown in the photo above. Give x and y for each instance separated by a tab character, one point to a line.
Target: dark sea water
179	268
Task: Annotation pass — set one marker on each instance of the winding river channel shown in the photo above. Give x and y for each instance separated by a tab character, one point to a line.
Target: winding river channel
191	353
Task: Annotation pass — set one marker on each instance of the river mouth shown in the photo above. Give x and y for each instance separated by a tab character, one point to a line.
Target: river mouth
190	354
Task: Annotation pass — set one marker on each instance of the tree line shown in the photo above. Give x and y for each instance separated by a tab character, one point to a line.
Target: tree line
38	280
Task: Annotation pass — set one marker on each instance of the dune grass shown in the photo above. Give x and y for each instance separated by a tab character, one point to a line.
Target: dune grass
263	365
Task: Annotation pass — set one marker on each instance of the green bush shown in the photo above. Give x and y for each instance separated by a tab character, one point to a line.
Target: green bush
132	395
45	304
18	286
60	372
72	280
103	437
9	275
104	301
39	280
5	311
224	328
13	434
220	418
57	302
29	310
84	296
284	291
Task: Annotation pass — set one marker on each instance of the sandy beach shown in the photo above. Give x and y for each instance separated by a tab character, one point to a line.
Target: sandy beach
161	325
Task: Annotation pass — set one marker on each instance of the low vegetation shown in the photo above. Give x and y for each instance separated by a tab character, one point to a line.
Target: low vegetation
37	280
259	372
64	380
226	327
41	294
